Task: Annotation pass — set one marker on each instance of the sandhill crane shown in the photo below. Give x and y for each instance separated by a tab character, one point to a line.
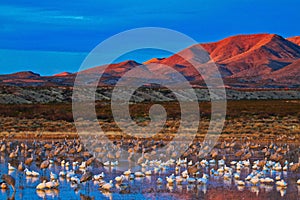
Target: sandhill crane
45	164
28	161
21	167
86	177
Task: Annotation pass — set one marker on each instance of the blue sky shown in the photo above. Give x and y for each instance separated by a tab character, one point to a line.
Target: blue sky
52	36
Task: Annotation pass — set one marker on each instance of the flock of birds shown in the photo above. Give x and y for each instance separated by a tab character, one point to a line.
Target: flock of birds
81	169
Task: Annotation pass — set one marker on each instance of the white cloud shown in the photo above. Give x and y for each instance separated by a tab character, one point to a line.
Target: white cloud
28	14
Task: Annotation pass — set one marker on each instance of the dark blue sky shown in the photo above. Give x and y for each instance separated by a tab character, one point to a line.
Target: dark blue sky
52	36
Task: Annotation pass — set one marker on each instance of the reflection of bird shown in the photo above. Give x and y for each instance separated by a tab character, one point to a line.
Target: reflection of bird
85	197
3	185
9	180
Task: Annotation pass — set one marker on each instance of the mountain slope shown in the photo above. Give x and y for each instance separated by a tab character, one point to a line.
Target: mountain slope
253	55
295	40
251	61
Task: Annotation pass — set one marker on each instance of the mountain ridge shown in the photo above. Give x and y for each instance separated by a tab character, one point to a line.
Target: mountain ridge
244	61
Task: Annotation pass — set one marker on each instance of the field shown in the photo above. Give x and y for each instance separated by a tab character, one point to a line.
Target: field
264	118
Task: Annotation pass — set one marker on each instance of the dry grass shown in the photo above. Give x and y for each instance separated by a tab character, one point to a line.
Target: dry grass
263	117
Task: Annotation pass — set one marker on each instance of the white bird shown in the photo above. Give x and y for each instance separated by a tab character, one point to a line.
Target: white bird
221	162
268	180
246	163
62	163
127	173
236	176
281	183
249	177
41	186
212	162
227	176
34	173
74	164
31	173
277	167
70	174
179	180
139	174
75	179
107	186
159	181
52	184
240	183
114	163
190	180
220	170
97	177
107	163
184	174
170	180
62	173
254	180
203	180
53	176
233	162
82	165
119	179
11	168
148	173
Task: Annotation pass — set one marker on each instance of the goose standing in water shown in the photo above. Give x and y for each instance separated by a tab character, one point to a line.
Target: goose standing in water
107	186
240	183
41	186
159	181
281	183
11	168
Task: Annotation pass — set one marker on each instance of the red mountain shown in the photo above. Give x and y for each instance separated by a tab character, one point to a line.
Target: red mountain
257	60
295	40
24	74
246	60
63	74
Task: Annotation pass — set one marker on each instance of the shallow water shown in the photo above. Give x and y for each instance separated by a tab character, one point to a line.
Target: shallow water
146	188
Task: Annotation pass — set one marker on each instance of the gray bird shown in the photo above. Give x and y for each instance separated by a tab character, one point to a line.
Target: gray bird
87	176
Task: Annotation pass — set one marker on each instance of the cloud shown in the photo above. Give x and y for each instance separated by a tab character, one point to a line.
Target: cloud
71	17
31	15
